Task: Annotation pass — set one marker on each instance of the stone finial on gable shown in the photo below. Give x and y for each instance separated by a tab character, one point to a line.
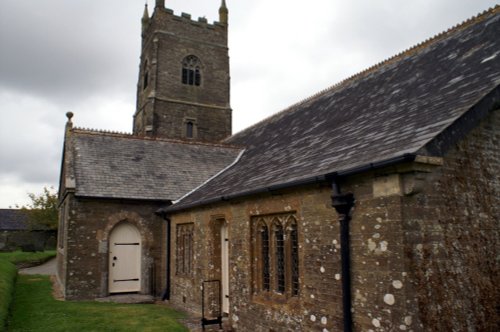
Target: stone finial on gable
69	123
223	13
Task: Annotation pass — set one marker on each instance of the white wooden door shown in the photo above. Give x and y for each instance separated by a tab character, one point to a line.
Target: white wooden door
225	267
125	259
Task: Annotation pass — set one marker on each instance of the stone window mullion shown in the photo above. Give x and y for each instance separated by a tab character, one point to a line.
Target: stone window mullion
275	252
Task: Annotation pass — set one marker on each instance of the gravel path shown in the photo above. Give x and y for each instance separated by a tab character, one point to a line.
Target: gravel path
47	268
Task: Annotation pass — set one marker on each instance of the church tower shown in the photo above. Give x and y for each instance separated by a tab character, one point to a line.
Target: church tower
183	88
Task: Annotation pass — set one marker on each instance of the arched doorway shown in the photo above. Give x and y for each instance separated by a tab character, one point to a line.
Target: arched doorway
125	259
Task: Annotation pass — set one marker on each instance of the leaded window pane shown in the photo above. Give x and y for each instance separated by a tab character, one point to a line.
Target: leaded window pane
266	276
294	244
280	259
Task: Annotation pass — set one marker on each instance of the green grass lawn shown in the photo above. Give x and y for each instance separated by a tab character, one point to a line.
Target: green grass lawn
7	277
30	258
34	309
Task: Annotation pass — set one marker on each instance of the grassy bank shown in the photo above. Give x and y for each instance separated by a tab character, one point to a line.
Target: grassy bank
8	263
27	258
34	309
7	279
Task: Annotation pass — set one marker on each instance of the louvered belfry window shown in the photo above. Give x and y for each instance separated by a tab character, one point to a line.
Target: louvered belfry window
276	255
191	71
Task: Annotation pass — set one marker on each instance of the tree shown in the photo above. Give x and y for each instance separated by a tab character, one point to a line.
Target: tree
42	211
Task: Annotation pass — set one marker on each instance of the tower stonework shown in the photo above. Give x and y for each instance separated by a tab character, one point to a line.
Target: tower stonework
183	87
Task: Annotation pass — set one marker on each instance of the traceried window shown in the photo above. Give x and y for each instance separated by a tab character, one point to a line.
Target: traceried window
276	256
191	71
184	249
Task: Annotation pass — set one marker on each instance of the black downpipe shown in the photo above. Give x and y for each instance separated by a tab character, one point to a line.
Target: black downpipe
166	291
343	204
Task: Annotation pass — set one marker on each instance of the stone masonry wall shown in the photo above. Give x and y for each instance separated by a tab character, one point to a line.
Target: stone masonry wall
452	237
424	242
88	226
318	305
165	105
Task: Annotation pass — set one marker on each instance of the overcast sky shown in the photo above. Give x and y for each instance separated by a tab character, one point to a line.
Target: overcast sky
83	56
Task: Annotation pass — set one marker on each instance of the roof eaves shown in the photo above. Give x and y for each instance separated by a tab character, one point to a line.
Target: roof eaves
90	196
407	157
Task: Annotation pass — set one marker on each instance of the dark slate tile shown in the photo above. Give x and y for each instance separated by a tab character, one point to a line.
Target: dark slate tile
397	107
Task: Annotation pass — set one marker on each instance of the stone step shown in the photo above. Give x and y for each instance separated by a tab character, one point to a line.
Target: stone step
128	299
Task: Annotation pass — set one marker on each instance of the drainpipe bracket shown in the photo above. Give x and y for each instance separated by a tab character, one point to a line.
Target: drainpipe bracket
343	203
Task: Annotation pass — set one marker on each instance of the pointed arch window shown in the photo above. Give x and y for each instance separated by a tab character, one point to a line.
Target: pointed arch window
294	257
264	255
189	129
184	249
279	254
191	71
276	252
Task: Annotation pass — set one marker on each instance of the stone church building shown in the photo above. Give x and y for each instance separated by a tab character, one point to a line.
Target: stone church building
370	206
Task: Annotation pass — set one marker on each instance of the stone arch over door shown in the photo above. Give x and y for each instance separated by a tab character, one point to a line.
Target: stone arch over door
146	240
125	257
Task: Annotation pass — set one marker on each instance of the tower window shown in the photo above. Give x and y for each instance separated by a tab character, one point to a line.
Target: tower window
145	79
189	129
191	71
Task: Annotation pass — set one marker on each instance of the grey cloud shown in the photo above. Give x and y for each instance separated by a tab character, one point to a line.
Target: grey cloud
83	56
50	51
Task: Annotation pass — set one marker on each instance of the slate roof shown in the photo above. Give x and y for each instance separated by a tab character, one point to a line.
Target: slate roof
391	110
125	166
13	220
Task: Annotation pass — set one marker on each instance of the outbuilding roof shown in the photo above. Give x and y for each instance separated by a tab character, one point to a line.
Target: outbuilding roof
122	166
13	220
393	109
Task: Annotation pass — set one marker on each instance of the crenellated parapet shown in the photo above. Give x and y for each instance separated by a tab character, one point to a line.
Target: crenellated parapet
164	20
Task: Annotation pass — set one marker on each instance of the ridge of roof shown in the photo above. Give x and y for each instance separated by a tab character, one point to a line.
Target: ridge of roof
398	56
116	134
